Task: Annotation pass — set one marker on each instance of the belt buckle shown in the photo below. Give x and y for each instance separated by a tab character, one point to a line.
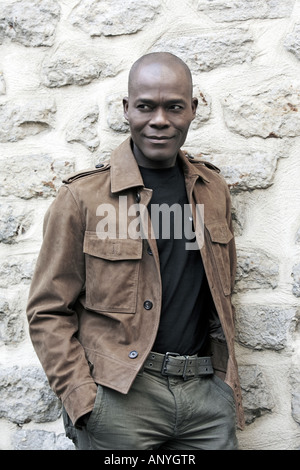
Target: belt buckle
165	362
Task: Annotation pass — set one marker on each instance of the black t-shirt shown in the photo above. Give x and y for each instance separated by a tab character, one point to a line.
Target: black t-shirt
183	324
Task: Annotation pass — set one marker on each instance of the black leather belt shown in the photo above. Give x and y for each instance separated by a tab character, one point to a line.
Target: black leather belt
181	366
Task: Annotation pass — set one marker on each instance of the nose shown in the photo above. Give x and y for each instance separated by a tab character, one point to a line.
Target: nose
159	118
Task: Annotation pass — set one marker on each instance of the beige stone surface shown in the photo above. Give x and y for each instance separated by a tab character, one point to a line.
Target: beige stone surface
63	72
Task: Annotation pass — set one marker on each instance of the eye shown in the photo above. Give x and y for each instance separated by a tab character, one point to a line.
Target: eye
144	107
175	107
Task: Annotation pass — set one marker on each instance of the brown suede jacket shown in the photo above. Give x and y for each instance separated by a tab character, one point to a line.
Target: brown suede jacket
95	300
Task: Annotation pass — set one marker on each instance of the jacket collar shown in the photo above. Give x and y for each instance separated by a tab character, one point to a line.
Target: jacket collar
125	172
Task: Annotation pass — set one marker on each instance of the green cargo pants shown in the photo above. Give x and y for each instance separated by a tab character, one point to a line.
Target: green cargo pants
162	413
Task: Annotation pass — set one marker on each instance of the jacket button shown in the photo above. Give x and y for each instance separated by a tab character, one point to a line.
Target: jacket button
149	251
148	304
138	197
99	165
133	354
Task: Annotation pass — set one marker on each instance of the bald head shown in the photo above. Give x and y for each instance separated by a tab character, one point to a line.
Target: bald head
159	61
159	108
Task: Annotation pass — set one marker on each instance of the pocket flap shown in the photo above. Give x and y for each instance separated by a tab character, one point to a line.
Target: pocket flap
113	249
219	232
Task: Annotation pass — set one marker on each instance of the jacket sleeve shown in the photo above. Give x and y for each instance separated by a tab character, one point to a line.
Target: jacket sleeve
232	246
57	282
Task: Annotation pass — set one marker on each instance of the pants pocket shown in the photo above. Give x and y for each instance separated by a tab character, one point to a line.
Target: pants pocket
94	418
69	428
224	390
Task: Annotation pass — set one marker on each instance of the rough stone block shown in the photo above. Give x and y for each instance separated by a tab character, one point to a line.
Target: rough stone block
208	50
203	110
14	222
296	278
295	383
33	176
238	212
115	114
256	270
81	66
245	170
83	129
11	322
241	10
292	41
113	18
269	112
264	326
29	22
22	119
2	84
257	400
16	270
26	396
40	440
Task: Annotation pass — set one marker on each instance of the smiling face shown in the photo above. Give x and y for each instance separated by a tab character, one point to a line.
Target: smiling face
159	109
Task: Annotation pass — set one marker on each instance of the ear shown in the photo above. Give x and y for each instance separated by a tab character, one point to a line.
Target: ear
194	106
125	107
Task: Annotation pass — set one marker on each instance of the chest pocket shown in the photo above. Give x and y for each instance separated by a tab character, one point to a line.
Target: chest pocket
112	268
220	236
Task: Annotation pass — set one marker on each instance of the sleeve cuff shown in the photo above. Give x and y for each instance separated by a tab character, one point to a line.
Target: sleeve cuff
80	401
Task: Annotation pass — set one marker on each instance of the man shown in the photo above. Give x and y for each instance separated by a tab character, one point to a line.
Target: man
133	321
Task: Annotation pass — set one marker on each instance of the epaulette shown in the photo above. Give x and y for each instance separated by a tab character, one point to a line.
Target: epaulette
209	165
90	171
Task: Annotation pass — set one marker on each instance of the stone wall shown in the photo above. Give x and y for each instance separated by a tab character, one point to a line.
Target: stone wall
63	73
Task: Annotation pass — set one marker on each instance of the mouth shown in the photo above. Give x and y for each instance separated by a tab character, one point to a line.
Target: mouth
159	139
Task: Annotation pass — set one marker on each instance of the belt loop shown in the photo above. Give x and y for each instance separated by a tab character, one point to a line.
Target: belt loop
185	367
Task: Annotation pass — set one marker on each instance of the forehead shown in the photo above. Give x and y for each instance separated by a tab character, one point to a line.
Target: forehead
152	78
